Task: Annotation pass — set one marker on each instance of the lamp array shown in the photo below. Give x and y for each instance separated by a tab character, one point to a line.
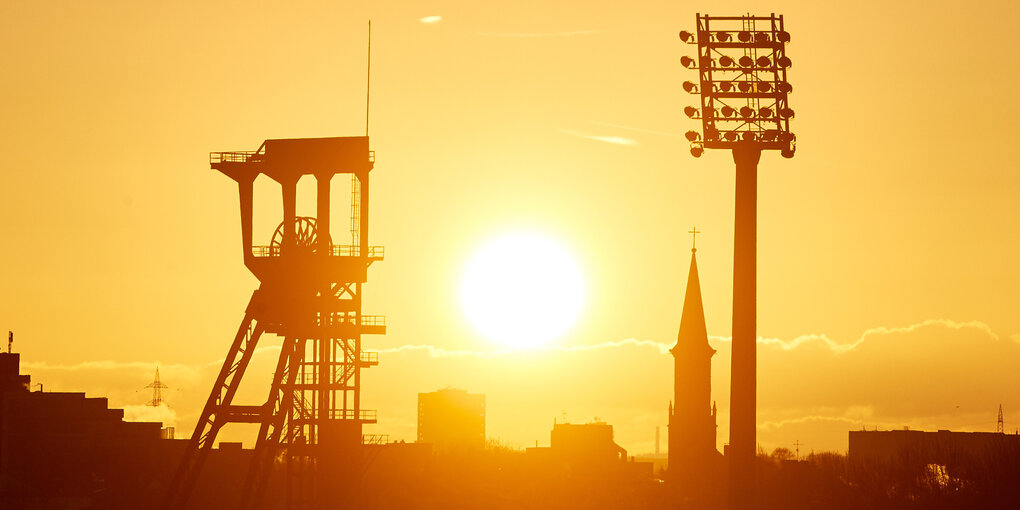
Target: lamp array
742	83
766	37
743	113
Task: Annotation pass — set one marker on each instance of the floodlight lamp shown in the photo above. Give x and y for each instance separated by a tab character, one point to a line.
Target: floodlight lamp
744	36
748	136
690	87
764	86
686	36
687	62
722	36
784	62
765	112
768	135
761	37
746	112
746	61
730	136
783	37
786	113
693	136
697	150
744	86
691	112
763	61
726	61
726	86
785	87
727	111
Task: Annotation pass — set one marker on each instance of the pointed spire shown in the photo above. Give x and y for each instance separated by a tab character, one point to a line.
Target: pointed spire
692	334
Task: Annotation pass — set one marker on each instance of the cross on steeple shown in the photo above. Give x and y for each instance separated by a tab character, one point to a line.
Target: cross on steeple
694	238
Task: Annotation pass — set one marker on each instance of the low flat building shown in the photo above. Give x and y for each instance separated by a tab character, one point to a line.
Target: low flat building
942	447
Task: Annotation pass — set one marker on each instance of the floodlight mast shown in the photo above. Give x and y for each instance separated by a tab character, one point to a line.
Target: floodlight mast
742	85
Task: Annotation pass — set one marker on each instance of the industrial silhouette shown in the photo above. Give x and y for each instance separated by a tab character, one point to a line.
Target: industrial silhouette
743	89
310	294
67	450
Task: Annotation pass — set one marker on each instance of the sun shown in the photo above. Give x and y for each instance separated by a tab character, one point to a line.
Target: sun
522	290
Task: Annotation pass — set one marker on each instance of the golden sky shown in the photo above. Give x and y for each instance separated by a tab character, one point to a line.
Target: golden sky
887	246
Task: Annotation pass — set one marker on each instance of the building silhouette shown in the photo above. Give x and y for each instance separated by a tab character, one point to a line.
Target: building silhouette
66	450
943	447
451	419
693	457
591	441
589	451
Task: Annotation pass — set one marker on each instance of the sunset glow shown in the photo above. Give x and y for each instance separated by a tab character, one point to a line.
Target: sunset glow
528	193
522	290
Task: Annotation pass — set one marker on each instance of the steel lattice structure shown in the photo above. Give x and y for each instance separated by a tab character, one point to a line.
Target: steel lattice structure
310	295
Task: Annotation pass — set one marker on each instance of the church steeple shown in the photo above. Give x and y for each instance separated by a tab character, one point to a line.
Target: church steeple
693	335
692	425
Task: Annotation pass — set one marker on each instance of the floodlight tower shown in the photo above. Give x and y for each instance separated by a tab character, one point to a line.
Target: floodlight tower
310	295
742	84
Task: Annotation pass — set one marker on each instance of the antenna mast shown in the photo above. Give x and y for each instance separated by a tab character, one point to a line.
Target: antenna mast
998	424
368	75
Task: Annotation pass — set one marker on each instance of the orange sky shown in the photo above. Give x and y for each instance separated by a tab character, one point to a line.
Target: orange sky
896	222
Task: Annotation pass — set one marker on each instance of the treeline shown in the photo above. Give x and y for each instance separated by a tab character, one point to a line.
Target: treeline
906	480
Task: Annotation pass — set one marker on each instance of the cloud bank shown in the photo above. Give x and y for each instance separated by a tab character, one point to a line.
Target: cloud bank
811	389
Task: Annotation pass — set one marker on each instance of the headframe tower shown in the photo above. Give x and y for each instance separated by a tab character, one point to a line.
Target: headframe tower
742	85
310	295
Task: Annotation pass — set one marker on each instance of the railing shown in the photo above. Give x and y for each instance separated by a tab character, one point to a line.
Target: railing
234	157
373	320
349	414
251	156
344	414
344	250
311	378
336	250
349	319
375	438
369	357
265	251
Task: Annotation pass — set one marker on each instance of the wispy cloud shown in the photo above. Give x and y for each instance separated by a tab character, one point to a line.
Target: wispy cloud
430	20
855	415
539	34
839	348
616	140
163	414
635	129
133	365
439	352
